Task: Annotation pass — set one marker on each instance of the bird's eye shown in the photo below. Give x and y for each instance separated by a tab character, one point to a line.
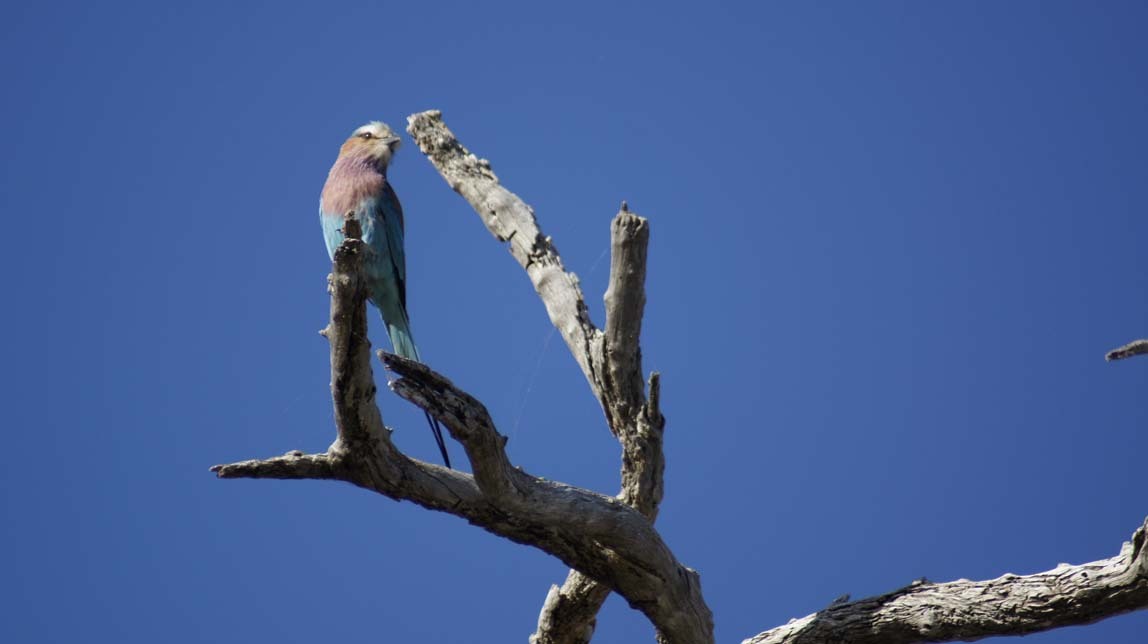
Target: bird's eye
366	136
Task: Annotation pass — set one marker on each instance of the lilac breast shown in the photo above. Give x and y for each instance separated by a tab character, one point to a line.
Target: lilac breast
350	181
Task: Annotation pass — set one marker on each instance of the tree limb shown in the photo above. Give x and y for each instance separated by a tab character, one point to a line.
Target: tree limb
511	221
1135	348
466	419
970	610
625	300
569	614
610	360
605	538
588	531
292	465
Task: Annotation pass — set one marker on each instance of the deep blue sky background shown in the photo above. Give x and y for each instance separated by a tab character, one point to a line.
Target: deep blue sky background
891	244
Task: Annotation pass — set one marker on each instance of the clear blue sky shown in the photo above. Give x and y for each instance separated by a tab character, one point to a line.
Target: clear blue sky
891	244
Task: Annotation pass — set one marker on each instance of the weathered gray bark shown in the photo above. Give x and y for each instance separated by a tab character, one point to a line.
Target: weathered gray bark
599	535
970	610
1135	348
610	542
611	359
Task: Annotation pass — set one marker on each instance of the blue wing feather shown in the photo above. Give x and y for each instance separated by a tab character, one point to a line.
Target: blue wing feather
381	218
392	213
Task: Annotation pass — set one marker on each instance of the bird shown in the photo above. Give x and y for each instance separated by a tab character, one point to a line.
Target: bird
357	186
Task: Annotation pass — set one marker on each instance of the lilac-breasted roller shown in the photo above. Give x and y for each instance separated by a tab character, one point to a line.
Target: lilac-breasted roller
358	183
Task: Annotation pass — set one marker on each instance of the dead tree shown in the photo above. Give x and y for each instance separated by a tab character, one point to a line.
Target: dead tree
609	542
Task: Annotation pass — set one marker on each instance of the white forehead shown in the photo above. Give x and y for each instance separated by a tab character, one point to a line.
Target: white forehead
376	128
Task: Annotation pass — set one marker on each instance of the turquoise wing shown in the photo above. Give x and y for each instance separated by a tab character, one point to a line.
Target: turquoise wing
392	215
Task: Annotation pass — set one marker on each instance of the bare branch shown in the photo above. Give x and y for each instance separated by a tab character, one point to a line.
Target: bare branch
611	361
510	220
357	417
570	613
598	534
292	465
643	461
969	610
605	538
465	418
1136	348
625	302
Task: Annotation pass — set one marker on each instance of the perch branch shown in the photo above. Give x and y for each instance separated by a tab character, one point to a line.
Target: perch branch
357	418
970	610
1138	347
610	360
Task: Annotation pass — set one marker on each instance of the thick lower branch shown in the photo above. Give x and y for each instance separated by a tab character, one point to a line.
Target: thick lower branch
597	534
970	610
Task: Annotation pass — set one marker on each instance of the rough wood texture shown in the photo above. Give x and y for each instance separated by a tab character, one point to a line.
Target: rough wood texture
292	465
467	420
1136	348
609	540
511	221
970	610
570	612
611	359
621	377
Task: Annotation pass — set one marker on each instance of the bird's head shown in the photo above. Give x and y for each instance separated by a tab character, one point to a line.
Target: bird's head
375	140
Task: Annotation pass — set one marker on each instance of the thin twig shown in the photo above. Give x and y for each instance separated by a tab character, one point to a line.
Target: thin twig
1135	348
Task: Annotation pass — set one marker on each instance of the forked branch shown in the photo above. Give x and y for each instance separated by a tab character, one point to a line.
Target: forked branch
611	360
598	534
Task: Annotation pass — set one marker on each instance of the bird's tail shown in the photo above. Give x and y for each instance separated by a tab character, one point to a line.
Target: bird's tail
436	429
404	346
401	339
